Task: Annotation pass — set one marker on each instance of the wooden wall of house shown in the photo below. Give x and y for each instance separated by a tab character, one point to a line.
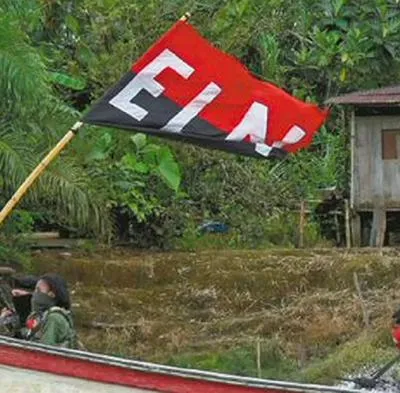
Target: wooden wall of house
376	162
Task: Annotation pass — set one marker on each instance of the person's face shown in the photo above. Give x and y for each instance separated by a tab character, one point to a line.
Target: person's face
43	287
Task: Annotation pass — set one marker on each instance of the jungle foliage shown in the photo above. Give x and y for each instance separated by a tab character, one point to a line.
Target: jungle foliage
58	56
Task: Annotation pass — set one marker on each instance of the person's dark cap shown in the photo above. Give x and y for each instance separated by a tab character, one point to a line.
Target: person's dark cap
26	282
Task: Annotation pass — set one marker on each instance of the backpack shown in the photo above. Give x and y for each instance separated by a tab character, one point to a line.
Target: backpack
72	339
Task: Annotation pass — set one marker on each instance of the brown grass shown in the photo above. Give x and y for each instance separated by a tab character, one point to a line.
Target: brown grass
171	303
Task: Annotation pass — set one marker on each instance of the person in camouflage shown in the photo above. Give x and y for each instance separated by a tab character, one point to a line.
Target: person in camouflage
9	319
23	287
51	321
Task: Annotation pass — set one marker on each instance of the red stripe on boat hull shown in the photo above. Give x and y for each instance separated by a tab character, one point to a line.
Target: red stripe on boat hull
84	369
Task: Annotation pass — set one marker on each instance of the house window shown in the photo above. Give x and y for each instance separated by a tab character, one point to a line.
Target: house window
391	144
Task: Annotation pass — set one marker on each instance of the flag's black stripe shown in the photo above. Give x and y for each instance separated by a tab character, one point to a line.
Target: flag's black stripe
160	111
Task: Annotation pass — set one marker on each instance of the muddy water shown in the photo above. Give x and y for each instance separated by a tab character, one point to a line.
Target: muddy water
389	383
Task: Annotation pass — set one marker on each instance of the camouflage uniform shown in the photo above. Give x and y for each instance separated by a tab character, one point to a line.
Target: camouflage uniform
9	325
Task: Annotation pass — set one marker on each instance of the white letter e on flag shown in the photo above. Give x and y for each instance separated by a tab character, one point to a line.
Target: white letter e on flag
144	80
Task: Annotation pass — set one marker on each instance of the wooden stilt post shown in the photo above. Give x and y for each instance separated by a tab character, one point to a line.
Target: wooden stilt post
356	229
24	187
337	227
347	223
378	229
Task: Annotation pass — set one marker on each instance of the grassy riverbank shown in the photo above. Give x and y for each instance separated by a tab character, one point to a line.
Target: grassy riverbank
211	309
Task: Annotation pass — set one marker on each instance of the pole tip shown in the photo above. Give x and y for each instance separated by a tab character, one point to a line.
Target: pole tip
185	17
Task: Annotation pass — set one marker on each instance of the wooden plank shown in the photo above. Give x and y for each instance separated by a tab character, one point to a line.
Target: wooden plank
374	180
42	235
353	156
376	192
361	144
389	144
347	223
378	173
398	139
58	243
367	209
363	160
356	229
391	167
378	230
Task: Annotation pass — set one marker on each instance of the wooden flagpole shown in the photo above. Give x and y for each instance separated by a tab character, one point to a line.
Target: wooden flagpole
10	205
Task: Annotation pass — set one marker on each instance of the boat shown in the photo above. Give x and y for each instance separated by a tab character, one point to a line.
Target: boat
35	368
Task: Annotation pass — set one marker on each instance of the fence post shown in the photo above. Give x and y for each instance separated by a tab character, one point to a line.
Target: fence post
258	350
302	223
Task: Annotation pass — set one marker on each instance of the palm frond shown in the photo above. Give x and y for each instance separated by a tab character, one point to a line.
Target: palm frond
69	190
23	76
14	153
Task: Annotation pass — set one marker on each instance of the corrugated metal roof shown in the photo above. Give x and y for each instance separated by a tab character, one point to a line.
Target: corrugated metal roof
384	96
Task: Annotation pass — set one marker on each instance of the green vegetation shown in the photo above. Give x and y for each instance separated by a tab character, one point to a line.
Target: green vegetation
242	361
361	353
57	57
365	352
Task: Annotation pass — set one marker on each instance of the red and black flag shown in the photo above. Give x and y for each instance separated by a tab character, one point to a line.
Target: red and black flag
185	88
